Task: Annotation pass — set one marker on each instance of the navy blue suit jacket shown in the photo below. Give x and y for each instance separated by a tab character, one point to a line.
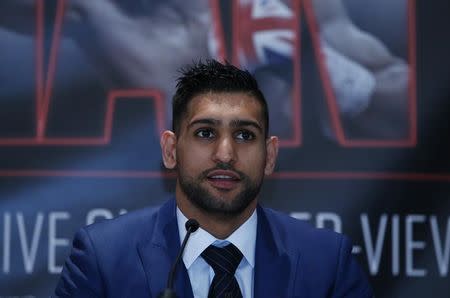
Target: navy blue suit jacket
131	256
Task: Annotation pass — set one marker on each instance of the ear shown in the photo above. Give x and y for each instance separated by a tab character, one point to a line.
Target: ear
272	153
168	144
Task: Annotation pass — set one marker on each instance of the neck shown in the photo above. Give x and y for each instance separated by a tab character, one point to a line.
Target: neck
219	225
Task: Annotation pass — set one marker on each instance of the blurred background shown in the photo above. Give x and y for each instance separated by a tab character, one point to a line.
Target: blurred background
358	92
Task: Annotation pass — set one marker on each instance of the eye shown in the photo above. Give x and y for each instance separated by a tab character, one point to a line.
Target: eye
205	133
245	135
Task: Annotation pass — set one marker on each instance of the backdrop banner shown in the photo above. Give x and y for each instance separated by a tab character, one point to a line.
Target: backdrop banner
358	92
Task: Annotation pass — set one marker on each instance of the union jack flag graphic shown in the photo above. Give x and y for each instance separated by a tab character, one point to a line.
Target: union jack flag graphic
262	32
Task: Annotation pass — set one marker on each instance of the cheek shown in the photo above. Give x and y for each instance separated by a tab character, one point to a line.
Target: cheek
254	160
191	157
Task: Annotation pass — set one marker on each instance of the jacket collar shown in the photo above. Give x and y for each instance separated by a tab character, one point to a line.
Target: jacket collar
275	266
158	253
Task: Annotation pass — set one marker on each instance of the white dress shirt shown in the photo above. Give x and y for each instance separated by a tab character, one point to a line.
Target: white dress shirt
201	274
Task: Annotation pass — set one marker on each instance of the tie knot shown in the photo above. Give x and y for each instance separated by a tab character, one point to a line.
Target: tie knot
223	259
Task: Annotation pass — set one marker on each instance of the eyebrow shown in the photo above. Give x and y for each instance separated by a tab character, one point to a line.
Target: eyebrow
241	123
233	123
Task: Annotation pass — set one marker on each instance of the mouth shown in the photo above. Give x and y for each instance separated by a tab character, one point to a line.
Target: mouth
223	179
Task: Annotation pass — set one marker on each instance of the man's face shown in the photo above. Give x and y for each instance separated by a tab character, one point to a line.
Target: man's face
221	152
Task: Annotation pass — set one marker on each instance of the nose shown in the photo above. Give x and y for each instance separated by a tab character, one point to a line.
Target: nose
225	151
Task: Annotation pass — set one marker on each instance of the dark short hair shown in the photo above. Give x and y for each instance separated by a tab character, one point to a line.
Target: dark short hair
212	76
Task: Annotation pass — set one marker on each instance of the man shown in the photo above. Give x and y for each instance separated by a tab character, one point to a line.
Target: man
221	151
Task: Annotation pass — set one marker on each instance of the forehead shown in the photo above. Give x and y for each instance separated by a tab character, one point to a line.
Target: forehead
225	106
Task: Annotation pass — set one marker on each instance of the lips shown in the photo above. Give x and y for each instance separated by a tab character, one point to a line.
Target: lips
223	179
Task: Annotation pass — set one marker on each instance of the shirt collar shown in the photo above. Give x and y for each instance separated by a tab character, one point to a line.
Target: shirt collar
244	238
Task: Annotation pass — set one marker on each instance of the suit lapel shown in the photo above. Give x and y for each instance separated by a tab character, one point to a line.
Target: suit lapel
158	252
275	268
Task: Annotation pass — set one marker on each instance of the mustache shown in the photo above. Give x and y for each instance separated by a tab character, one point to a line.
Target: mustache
223	166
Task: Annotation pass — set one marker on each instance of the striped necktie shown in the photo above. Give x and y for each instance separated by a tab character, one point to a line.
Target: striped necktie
224	261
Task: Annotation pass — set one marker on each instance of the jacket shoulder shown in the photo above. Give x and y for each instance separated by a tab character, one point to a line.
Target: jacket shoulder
319	249
127	227
325	257
297	233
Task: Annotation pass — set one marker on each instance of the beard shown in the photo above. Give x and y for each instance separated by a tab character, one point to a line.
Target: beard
206	201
